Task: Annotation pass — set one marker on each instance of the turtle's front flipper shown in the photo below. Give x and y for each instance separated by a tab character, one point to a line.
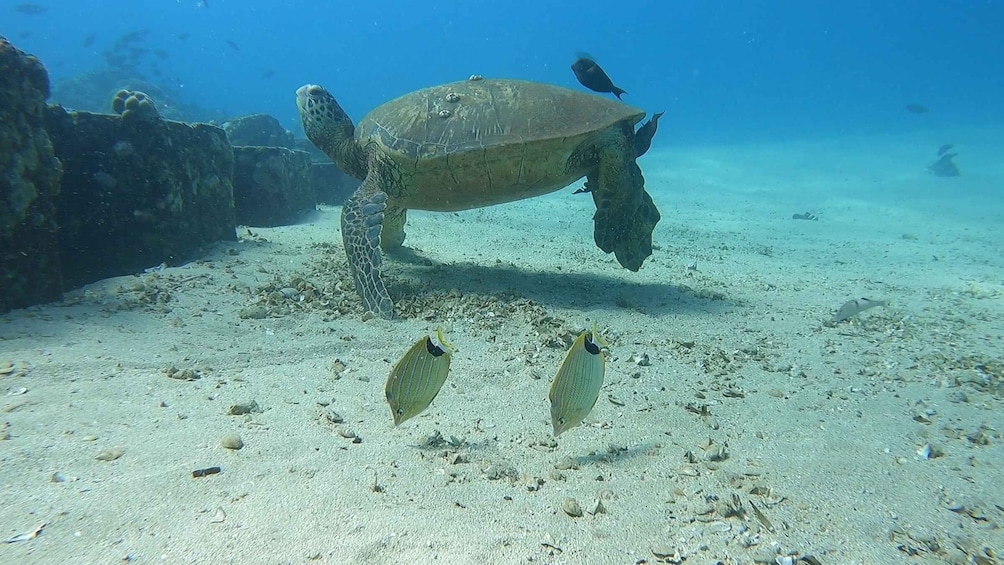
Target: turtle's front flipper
625	214
362	220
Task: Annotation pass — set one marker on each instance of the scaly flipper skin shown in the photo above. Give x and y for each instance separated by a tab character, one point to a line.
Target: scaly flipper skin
625	214
362	220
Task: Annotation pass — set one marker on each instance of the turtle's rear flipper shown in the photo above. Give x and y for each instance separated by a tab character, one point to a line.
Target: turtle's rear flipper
625	214
362	220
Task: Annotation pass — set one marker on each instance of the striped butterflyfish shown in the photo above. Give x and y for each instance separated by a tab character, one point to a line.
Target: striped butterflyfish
417	377
577	384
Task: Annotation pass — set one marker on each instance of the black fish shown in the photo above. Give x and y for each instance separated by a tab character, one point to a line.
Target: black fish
591	76
233	45
917	109
89	40
267	73
643	137
944	149
30	9
183	36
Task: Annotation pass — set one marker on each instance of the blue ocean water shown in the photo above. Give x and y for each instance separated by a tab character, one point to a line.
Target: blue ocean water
722	70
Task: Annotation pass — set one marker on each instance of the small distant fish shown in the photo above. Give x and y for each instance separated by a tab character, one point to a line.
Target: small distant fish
133	36
591	76
643	137
917	109
184	35
945	166
233	45
30	9
417	377
852	308
267	73
945	149
576	386
89	40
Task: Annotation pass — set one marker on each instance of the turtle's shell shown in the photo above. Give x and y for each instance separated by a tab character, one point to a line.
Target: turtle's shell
481	142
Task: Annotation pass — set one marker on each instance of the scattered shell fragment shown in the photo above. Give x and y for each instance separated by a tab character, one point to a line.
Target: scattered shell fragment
181	374
17	392
571	507
244	408
762	518
110	454
219	517
640	359
929	451
346	432
667	554
597	507
26	536
232	441
565	463
719	527
688	471
6	367
716	452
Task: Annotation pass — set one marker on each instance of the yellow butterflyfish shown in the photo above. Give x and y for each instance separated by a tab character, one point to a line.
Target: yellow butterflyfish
417	377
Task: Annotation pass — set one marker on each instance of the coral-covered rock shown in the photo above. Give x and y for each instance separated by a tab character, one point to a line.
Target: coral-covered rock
137	193
272	185
258	129
134	105
29	185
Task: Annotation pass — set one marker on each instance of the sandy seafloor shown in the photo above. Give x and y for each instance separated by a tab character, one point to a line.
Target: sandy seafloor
749	397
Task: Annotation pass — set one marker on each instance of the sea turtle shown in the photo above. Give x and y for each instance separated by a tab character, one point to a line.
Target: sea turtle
477	143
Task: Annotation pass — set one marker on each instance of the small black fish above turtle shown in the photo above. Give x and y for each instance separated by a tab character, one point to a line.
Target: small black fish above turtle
591	76
917	108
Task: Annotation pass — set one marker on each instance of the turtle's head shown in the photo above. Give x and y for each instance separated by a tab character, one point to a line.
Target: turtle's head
330	129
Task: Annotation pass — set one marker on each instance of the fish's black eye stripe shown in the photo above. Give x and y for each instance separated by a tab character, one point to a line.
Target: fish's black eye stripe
591	346
433	349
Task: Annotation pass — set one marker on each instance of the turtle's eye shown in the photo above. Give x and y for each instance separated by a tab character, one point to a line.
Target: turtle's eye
314	90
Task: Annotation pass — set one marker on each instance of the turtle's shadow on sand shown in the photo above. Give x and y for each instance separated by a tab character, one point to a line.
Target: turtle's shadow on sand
557	289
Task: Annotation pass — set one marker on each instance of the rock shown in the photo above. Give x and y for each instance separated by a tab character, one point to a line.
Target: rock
29	185
272	185
258	130
138	192
232	441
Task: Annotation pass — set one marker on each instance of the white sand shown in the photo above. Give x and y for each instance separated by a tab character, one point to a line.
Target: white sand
824	417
